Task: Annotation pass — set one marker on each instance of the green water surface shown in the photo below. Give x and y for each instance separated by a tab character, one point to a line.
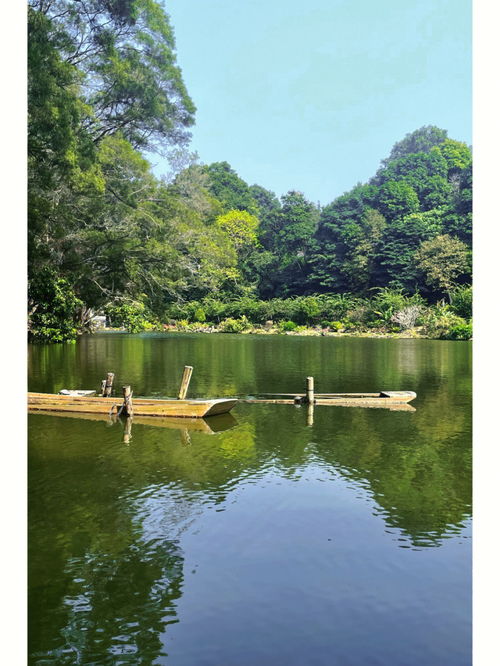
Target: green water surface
337	538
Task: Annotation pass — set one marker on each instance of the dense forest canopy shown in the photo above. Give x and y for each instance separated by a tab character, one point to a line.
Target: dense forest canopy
106	235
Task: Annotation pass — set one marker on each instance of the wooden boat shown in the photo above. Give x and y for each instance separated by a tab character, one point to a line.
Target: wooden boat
390	399
53	402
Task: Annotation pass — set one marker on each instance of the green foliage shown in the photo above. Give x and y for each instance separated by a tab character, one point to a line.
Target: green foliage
387	302
458	156
459	331
443	260
231	325
199	315
240	227
441	323
230	189
397	199
461	301
126	53
420	141
287	326
132	316
53	308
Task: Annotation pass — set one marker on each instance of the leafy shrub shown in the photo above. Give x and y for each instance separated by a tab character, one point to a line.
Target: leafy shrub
287	326
441	320
199	315
461	301
359	316
132	316
53	308
387	302
231	325
336	325
307	309
459	332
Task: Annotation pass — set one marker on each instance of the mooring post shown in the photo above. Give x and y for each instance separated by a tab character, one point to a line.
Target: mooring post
109	384
103	388
310	391
186	378
127	408
310	414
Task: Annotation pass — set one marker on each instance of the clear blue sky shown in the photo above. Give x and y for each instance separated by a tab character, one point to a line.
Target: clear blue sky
311	96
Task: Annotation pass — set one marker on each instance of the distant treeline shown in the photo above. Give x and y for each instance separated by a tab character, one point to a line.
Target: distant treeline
107	236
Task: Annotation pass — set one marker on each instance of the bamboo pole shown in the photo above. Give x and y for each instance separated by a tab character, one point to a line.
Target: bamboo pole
186	378
127	408
310	414
310	391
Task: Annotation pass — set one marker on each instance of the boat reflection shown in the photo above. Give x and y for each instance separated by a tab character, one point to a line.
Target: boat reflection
209	426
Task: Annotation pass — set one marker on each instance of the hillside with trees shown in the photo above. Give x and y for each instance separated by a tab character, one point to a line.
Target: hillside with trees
203	247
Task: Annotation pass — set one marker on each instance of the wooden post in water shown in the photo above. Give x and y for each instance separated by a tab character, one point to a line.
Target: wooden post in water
109	384
310	414
128	409
186	378
103	388
310	391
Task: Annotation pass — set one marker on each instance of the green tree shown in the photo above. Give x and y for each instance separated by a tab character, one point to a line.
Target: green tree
397	199
240	227
457	154
125	50
420	141
53	308
394	264
60	150
338	228
443	260
359	265
232	191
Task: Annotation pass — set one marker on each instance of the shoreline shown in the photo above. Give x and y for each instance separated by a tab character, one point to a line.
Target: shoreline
409	334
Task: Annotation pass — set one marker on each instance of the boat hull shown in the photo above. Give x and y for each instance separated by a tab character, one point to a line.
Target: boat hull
396	400
52	402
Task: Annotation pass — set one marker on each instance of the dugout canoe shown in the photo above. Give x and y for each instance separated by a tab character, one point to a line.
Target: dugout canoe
53	402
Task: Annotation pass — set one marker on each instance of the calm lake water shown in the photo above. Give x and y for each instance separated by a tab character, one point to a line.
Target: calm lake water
269	541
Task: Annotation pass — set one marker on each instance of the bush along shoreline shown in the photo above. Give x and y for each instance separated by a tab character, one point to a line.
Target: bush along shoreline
387	313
